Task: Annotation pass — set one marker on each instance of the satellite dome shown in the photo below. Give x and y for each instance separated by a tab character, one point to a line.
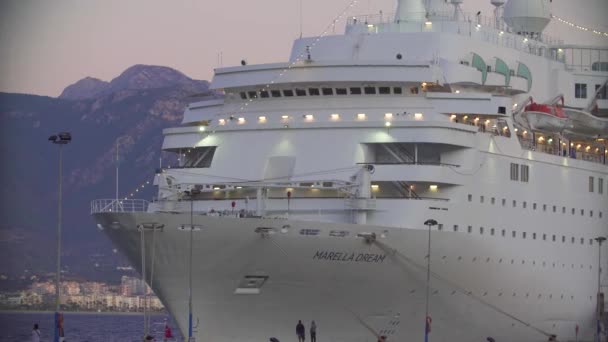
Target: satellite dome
497	3
530	16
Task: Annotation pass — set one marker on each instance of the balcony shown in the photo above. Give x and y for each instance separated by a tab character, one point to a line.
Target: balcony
118	206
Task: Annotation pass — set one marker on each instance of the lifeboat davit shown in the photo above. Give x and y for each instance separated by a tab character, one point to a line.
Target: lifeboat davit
546	117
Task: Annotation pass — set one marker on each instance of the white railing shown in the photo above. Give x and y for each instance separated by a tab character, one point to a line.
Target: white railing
121	206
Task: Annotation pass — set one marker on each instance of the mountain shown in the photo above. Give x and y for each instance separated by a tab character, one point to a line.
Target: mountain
135	106
86	88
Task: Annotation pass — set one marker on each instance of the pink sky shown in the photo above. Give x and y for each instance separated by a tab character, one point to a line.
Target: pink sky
47	45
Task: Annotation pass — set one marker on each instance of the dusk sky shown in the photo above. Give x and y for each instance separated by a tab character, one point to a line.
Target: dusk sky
47	45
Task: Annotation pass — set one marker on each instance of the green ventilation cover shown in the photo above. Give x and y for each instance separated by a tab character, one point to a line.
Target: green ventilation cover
524	72
503	69
480	65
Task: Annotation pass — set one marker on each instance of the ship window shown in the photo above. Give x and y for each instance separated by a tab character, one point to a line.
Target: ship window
503	232
355	91
481	230
397	90
590	242
252	94
514	234
544	207
582	241
504	202
600	214
384	90
600	185
264	94
313	91
341	91
525	173
523	235
440	226
492	231
544	237
470	197
455	227
288	92
524	205
563	210
493	200
580	90
590	213
553	237
414	90
582	212
470	229
370	90
534	206
533	236
554	208
514	172
243	95
199	157
514	203
563	238
573	211
591	184
327	91
602	95
275	93
481	199
300	92
572	239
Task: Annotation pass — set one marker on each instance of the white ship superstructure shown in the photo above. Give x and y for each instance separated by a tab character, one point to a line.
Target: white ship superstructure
305	189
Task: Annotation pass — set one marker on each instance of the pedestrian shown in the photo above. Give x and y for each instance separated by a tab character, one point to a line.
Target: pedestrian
313	332
168	333
300	331
382	338
36	333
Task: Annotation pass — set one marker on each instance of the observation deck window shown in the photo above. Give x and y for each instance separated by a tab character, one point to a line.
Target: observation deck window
341	91
275	93
580	90
397	90
252	94
370	90
288	92
243	95
384	90
327	91
313	92
264	94
355	91
300	92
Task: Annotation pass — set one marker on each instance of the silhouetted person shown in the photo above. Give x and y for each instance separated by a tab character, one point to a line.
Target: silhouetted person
300	331
36	333
313	332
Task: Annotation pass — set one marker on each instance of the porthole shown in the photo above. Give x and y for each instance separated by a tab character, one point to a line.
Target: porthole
533	236
470	197
493	200
514	234
514	203
492	231
544	207
480	199
524	205
455	227
533	206
481	230
504	202
554	208
544	237
470	229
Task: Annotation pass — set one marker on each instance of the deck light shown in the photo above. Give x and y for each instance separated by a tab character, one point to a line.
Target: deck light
222	122
387	124
476	120
239	187
370	25
433	187
578	146
525	132
241	120
423	84
375	186
587	148
525	40
388	116
418	116
541	139
428	23
216	188
284	117
201	128
262	118
465	117
309	117
517	130
550	140
453	116
478	26
457	91
361	116
501	33
487	121
335	116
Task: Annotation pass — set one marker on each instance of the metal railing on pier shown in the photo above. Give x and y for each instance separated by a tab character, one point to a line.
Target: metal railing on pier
120	205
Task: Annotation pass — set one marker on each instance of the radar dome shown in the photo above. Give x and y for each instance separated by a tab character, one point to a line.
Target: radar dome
531	16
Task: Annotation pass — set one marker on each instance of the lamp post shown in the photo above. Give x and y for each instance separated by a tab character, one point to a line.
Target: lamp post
193	192
430	223
599	240
62	138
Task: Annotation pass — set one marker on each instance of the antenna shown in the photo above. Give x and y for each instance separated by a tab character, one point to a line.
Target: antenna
301	19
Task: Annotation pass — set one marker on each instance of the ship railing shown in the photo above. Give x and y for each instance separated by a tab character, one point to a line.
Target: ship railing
411	163
468	24
118	205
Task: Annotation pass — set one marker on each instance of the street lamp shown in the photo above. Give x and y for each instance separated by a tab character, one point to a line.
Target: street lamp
599	240
62	138
193	192
427	320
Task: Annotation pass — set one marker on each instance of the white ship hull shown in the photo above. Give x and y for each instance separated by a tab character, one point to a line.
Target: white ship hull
360	290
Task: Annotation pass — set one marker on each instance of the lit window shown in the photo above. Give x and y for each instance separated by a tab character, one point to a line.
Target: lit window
361	116
418	116
262	118
241	120
388	116
433	187
308	117
284	117
335	116
222	121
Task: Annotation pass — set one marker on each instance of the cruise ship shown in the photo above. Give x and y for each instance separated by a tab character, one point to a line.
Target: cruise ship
425	174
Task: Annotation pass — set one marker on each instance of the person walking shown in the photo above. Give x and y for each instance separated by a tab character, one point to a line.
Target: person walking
313	332
300	331
168	333
36	333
